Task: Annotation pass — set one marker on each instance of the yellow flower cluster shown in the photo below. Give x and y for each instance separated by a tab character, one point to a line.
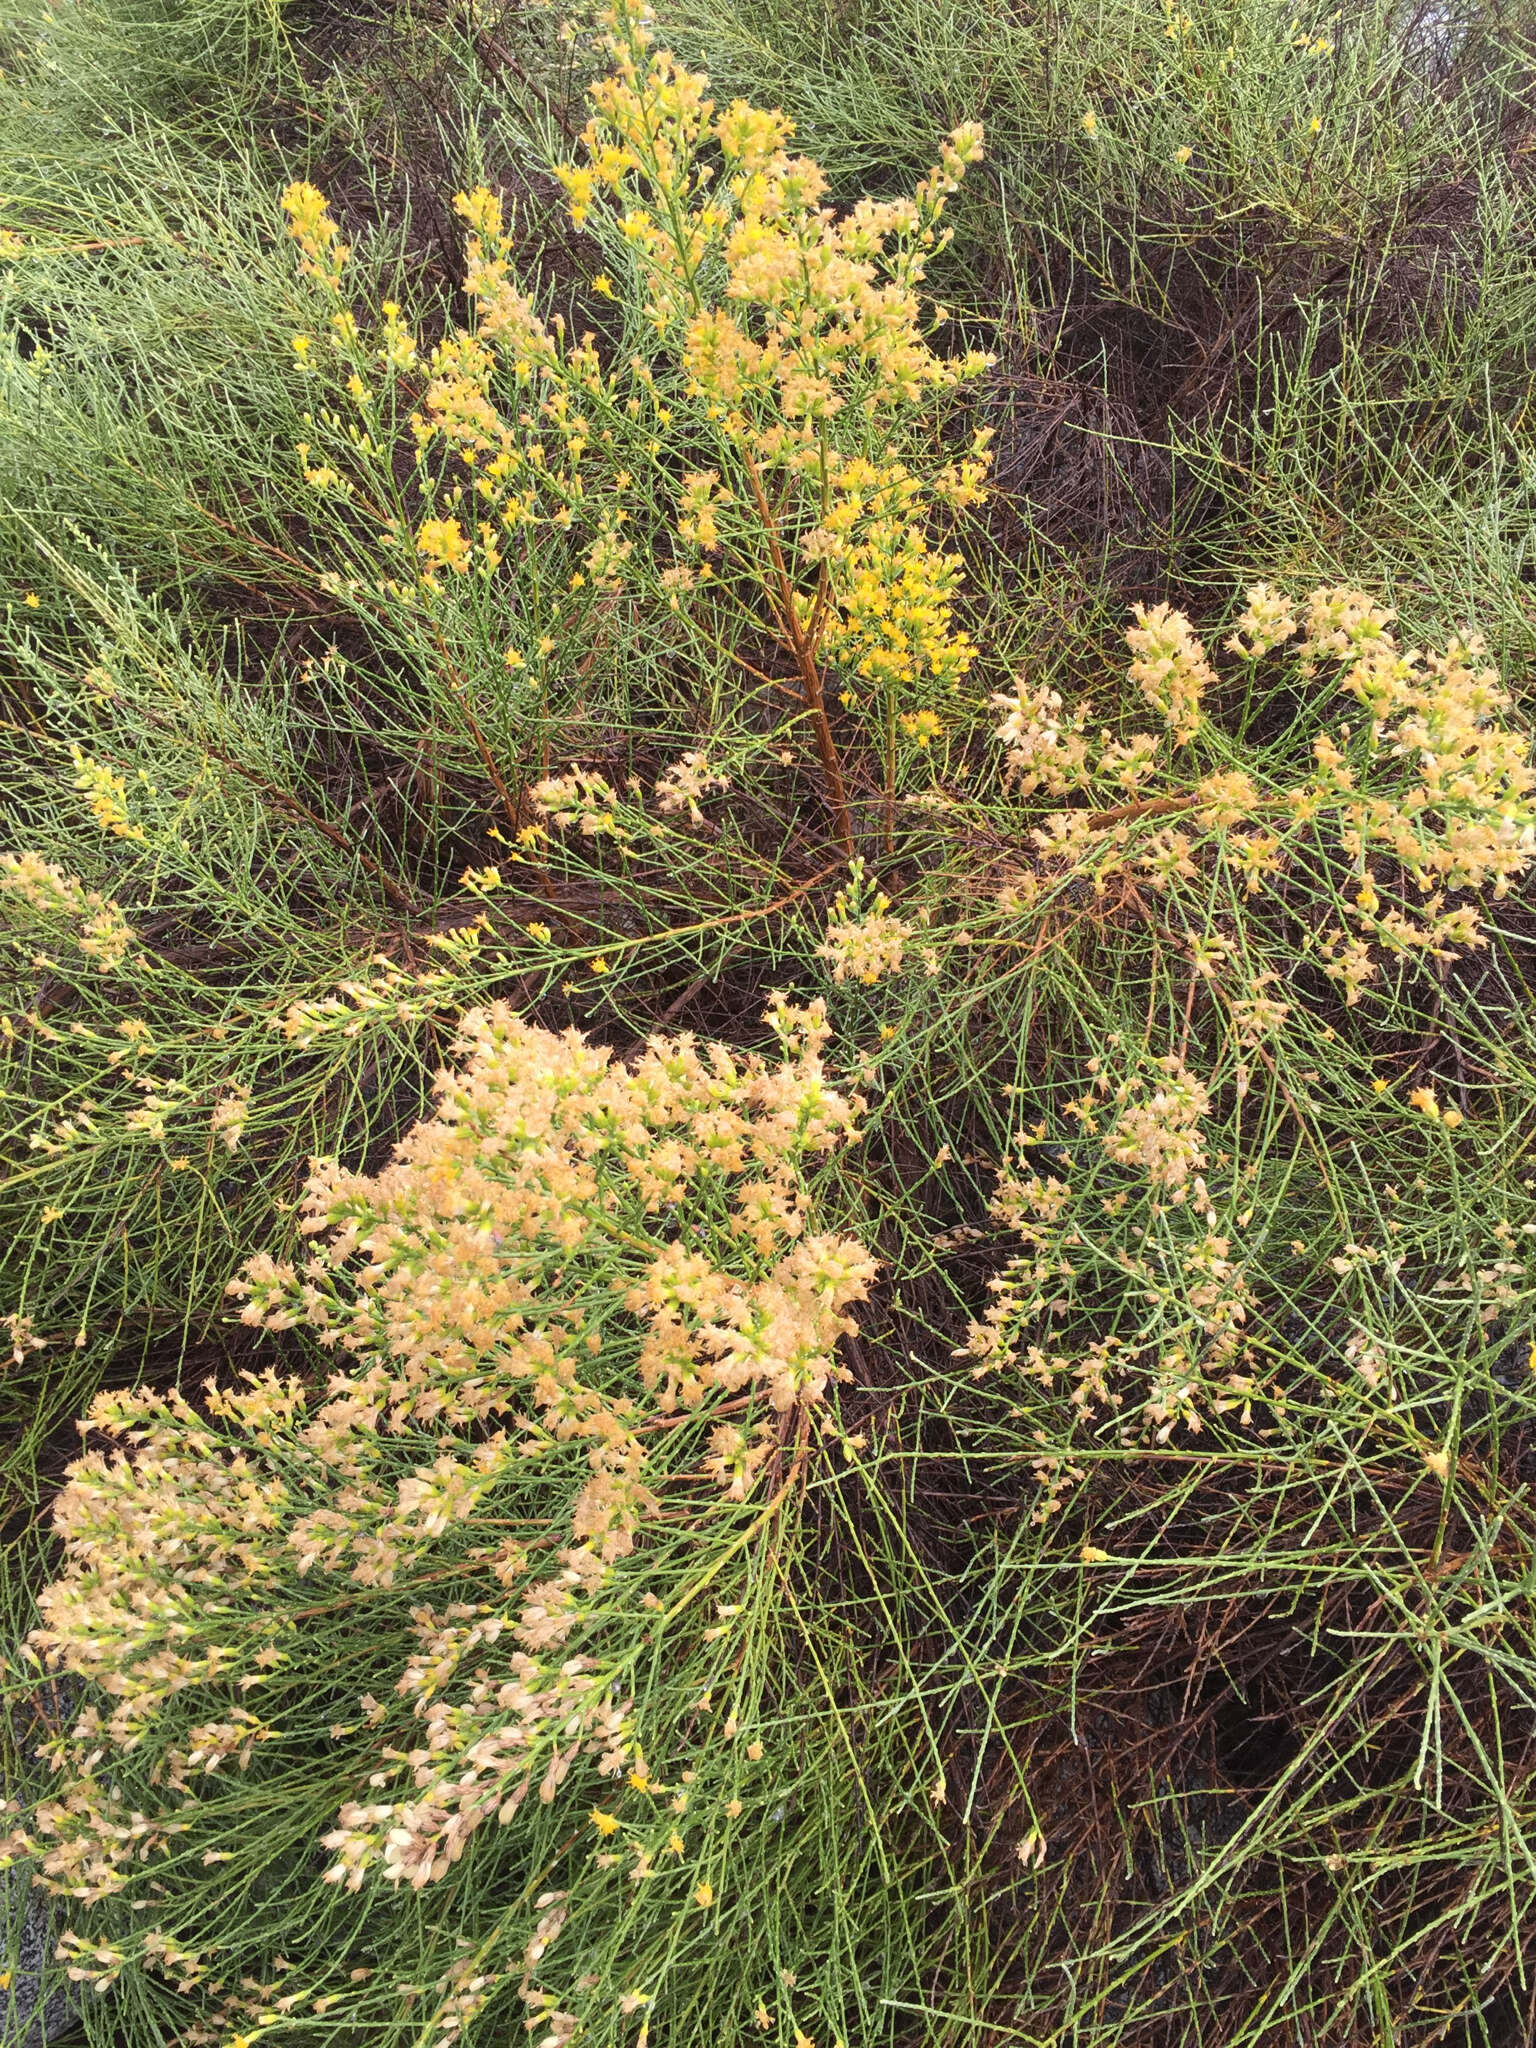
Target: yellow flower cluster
568	1249
892	623
107	794
322	250
792	344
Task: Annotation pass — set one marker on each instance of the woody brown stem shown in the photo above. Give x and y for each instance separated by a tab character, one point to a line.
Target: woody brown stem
805	662
460	686
1142	807
1161	807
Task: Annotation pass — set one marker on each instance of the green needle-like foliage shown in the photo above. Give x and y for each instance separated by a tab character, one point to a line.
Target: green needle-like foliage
928	1439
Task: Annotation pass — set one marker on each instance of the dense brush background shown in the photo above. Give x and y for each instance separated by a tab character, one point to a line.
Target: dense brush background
1265	317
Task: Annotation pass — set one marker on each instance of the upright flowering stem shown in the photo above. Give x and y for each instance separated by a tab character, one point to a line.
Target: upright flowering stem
890	771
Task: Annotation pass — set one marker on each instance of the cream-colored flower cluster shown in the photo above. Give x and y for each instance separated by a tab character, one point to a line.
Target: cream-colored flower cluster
1157	1125
1189	1356
1462	818
1433	785
389	993
96	926
683	786
1050	748
24	1338
582	801
568	1250
1170	666
863	939
1266	622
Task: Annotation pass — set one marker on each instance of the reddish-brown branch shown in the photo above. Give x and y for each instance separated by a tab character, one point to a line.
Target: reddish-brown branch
805	661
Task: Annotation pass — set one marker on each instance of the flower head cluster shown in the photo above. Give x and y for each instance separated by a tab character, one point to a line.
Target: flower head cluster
388	994
683	785
1430	793
1158	1125
1344	623
1189	1354
107	794
788	346
22	1335
323	252
569	1248
1465	816
892	624
1267	621
1170	666
41	891
1051	748
229	1116
583	801
863	939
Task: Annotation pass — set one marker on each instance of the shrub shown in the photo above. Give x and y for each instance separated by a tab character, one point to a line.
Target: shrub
640	633
578	1290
